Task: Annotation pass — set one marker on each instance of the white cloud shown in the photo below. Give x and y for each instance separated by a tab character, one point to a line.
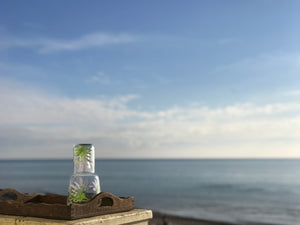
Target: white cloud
51	45
36	124
30	107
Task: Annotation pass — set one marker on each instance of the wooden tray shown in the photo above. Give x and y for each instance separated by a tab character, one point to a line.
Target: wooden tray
51	206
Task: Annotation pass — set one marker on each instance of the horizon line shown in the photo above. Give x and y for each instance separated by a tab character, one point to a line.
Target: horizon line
206	158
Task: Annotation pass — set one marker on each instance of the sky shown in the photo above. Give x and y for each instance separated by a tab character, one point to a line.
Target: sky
150	79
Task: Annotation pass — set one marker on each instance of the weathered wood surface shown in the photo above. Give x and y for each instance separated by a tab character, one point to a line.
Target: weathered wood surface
50	206
132	217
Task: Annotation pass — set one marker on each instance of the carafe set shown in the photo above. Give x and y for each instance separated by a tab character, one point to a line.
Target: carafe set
84	183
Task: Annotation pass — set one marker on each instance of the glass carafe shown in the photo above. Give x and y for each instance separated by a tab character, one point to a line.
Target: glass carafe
84	183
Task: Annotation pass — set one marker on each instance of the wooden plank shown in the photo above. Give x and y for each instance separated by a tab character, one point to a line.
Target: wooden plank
134	217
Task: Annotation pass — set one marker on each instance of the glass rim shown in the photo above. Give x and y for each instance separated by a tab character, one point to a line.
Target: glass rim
82	144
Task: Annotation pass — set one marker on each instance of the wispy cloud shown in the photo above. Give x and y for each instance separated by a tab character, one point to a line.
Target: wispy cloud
225	41
292	93
52	45
100	78
264	76
264	65
37	124
19	70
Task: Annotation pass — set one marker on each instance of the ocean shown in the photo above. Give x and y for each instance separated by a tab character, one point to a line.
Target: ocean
244	191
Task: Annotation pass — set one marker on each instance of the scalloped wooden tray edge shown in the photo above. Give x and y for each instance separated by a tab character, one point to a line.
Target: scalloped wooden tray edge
55	206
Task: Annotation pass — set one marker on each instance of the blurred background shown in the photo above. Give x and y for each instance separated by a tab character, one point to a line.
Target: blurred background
193	106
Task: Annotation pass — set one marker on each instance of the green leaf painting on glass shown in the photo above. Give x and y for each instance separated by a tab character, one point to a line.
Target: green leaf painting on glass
78	195
82	153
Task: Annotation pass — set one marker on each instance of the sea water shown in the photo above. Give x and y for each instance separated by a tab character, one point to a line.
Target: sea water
243	191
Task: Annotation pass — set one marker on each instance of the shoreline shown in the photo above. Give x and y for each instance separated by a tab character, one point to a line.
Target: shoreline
167	219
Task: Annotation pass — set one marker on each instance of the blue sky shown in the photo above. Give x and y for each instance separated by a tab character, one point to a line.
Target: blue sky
154	79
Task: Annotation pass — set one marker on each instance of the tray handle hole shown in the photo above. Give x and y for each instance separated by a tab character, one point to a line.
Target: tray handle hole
105	202
8	197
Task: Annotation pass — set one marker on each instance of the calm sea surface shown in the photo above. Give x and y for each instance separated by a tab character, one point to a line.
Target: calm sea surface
244	191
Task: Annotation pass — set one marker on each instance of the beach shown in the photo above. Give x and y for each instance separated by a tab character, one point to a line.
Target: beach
165	219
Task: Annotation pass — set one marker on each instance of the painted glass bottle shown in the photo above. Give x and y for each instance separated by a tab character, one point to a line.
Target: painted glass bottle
84	183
